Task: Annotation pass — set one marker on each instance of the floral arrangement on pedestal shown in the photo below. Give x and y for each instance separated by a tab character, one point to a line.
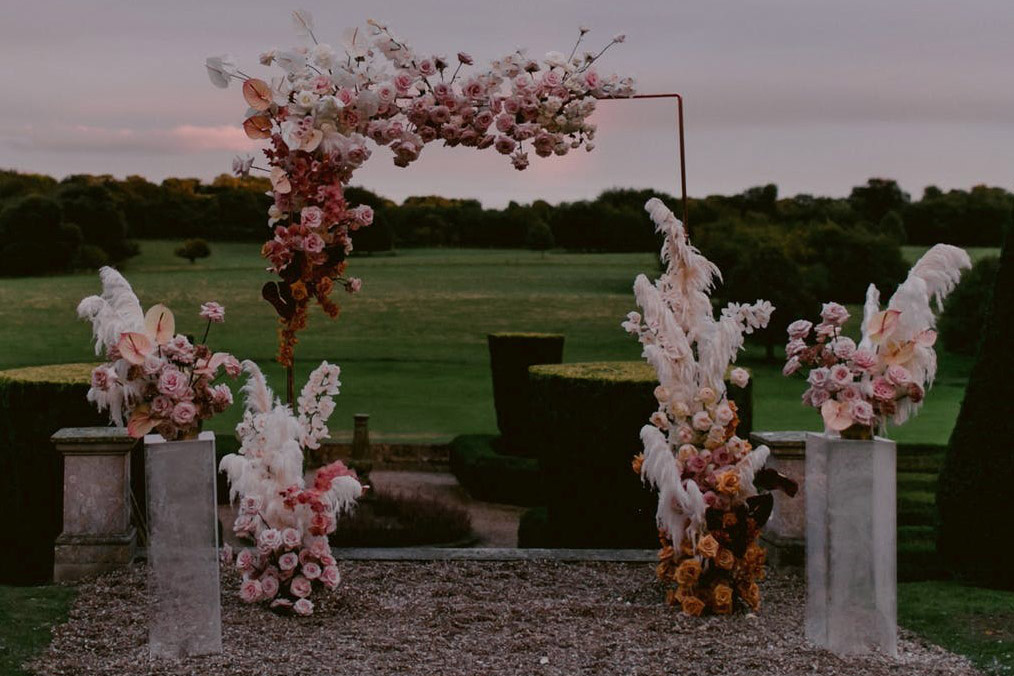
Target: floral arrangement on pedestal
154	378
326	104
287	521
858	388
709	510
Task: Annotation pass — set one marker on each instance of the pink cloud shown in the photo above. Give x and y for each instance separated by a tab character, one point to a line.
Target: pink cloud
180	140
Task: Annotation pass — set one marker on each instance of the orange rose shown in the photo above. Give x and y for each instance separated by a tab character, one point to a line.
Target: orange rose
688	572
728	482
637	463
298	291
755	555
722	599
692	605
666	552
707	546
729	520
750	594
672	597
725	559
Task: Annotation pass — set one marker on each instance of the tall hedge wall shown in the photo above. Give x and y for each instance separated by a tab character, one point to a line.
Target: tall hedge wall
510	355
974	491
34	403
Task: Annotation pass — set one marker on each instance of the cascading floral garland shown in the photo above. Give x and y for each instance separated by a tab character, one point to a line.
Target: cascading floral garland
858	388
709	510
287	521
320	112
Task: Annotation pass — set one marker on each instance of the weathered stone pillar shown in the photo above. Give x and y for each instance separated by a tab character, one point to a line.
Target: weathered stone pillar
785	532
97	534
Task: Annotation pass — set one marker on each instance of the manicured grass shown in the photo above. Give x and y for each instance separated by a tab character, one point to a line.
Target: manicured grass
978	623
27	614
412	345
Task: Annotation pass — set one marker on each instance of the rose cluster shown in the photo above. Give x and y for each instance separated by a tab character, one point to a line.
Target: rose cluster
852	386
287	521
160	380
327	103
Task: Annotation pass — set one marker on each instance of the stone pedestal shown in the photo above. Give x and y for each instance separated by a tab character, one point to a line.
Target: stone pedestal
186	607
851	534
97	534
785	532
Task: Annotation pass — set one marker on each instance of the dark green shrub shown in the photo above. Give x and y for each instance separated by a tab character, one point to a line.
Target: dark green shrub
193	249
34	403
510	355
399	520
965	309
494	477
974	497
533	530
33	238
92	257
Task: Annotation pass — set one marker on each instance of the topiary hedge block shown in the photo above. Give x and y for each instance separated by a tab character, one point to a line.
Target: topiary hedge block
510	355
587	420
491	476
35	402
533	530
974	494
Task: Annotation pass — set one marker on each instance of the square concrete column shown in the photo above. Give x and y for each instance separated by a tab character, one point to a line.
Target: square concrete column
97	534
851	540
183	585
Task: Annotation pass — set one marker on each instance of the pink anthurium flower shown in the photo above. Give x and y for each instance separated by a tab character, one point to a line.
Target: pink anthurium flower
882	325
208	367
257	94
280	181
836	415
141	422
926	338
898	353
134	347
160	324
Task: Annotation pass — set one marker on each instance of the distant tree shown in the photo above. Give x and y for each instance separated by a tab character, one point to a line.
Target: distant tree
33	238
193	249
89	203
880	195
965	308
539	236
892	226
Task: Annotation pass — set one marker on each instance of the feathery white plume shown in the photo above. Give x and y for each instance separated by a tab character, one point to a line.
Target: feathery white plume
258	395
113	313
302	22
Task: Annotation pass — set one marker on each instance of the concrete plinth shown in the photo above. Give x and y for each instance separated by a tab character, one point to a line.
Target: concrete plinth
97	534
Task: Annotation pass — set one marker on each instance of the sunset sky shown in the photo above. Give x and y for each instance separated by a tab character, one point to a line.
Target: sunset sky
814	96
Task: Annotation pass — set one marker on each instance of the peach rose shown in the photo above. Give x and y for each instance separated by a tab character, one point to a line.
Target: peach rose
728	482
750	595
637	462
708	547
725	559
688	572
722	599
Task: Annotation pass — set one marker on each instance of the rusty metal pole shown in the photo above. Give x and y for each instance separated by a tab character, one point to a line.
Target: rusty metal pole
680	135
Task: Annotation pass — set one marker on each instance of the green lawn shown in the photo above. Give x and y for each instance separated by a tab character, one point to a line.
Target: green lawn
412	345
26	616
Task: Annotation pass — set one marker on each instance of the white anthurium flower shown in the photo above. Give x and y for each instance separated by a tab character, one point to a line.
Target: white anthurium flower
291	60
220	68
280	90
355	44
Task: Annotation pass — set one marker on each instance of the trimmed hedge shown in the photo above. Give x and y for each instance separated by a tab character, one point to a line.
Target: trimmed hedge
976	510
493	477
586	420
510	355
533	530
35	402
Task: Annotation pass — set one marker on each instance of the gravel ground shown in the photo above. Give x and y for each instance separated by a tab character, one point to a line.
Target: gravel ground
463	617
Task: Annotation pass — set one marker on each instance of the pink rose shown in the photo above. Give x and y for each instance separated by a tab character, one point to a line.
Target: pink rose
861	411
269	586
232	366
685	434
840	375
818	377
161	406
660	420
311	570
849	393
103	377
709	498
427	68
915	392
697	464
300	586
844	348
311	217
184	413
330	576
172	382
318	547
799	329
739	377
898	375
702	421
364	214
791	366
250	504
505	145
269	540
221	397
816	397
250	591
835	314
721	457
724	414
213	312
291	538
225	556
883	390
864	359
288	561
303	607
313	243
